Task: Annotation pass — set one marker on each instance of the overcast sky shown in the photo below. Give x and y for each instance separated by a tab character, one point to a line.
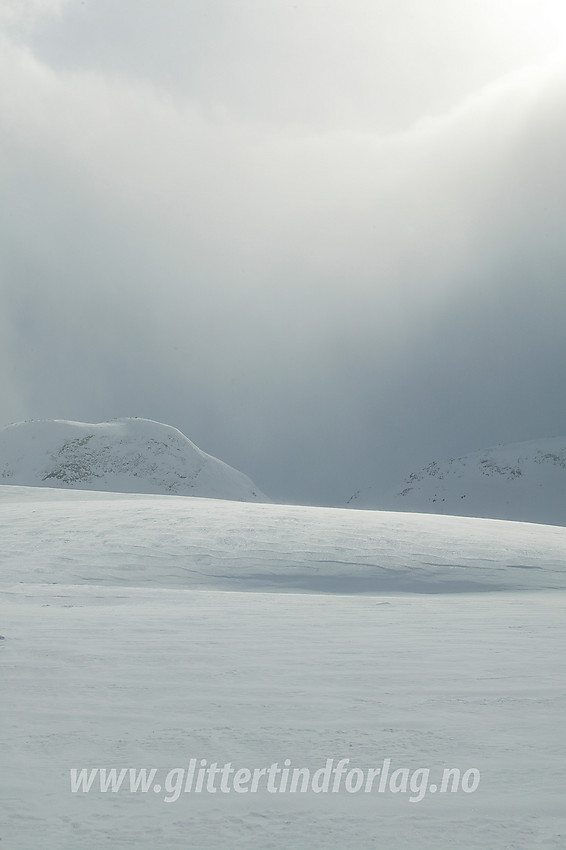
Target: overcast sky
326	240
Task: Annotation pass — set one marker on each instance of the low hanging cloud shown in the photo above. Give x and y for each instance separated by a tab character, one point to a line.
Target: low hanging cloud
323	308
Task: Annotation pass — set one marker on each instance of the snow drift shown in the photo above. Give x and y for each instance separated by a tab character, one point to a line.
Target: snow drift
120	649
124	455
68	537
525	482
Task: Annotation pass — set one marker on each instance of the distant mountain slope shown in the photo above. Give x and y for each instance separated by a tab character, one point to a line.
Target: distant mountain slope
124	455
520	481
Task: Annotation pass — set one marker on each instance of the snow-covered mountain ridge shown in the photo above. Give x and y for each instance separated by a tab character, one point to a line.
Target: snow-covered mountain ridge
523	481
124	455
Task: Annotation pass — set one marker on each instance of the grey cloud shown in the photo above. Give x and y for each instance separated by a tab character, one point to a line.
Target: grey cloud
367	64
320	309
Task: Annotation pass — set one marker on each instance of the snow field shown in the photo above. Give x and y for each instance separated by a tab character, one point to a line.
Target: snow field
139	633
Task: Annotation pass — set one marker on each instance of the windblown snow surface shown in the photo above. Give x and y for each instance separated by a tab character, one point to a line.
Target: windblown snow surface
144	631
520	481
125	455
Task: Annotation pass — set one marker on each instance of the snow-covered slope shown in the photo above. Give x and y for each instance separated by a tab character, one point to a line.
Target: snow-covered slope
124	455
520	481
121	650
70	537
